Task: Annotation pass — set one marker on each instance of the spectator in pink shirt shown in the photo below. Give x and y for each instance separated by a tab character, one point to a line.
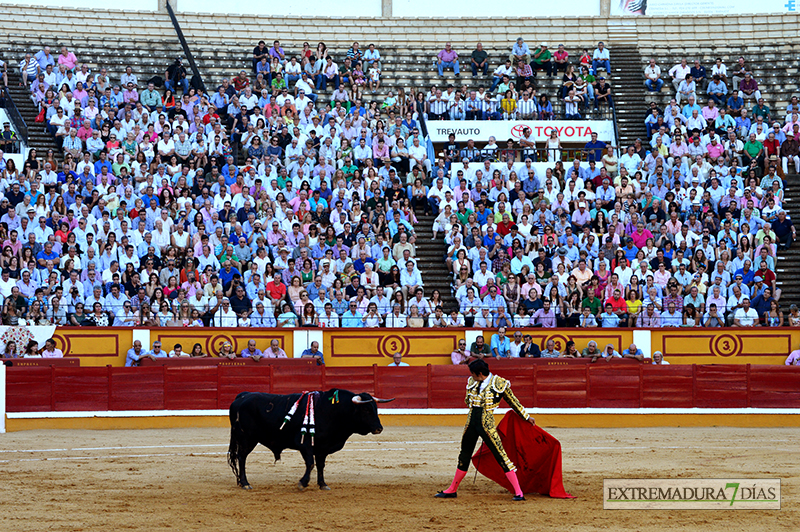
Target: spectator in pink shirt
715	149
67	59
447	58
561	58
380	151
794	358
710	111
130	94
85	132
301	198
641	235
51	351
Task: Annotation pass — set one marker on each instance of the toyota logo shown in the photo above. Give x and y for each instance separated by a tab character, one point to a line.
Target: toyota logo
518	130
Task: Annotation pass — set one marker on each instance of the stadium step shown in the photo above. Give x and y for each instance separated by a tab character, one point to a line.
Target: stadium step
38	138
625	61
788	275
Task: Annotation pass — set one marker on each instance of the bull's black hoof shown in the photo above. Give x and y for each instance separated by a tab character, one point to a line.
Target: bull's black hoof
444	495
246	487
301	486
518	498
324	487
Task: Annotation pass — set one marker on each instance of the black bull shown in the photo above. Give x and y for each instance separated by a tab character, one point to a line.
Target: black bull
257	418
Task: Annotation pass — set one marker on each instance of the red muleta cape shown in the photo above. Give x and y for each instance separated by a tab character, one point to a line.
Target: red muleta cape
536	454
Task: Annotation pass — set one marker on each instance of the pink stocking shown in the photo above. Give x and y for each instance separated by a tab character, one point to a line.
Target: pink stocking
456	481
512	477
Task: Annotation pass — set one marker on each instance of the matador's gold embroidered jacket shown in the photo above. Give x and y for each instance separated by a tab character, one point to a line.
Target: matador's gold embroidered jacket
488	399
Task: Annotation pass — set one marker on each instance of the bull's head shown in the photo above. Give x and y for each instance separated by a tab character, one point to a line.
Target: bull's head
366	406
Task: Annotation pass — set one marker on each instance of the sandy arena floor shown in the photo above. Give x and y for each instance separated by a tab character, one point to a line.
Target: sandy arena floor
179	480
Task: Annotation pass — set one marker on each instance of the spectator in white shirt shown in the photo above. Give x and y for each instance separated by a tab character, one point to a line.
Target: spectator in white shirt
652	74
744	315
678	73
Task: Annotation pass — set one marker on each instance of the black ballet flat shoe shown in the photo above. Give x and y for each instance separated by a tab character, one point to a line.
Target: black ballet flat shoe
443	495
518	498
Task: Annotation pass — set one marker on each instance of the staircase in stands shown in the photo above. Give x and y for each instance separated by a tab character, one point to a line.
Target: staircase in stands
430	261
788	266
38	138
627	87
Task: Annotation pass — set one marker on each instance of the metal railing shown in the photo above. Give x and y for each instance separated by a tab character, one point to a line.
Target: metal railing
185	45
15	116
565	154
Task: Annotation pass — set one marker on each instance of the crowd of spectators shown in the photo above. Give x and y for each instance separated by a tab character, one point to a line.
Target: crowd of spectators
257	205
137	352
514	91
522	345
681	229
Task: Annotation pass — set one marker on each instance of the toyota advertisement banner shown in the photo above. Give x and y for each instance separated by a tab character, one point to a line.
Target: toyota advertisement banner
569	131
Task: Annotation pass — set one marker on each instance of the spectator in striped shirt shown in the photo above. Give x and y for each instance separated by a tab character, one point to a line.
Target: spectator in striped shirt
438	106
489	108
526	107
473	107
571	109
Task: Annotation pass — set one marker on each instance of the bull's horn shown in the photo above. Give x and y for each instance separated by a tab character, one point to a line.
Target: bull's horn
358	400
383	400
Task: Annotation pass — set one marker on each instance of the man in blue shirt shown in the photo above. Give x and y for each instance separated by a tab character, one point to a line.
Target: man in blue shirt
46	254
609	320
594	148
157	352
493	300
352	318
698	72
251	351
717	90
44	58
633	352
314	352
397	222
135	354
500	344
227	274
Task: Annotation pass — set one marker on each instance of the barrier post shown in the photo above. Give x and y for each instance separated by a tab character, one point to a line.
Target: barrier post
2	398
588	388
52	388
375	380
110	387
219	377
430	385
748	386
641	383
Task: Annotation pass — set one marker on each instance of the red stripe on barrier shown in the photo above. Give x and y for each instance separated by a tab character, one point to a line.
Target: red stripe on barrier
598	385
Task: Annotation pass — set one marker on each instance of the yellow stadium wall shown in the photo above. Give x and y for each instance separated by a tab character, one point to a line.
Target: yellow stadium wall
761	345
362	347
95	347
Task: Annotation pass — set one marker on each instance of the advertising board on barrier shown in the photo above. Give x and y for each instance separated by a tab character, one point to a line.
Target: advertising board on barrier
627	8
107	346
578	131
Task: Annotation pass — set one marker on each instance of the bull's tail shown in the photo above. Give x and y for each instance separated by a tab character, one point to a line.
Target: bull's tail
233	454
233	448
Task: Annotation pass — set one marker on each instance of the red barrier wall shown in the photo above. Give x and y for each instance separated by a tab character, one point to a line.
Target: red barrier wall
599	385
